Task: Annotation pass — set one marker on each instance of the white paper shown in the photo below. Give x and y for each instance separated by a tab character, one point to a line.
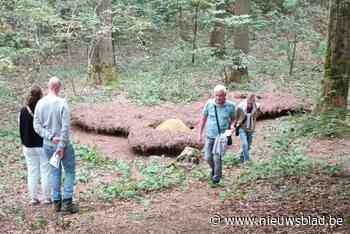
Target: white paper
228	132
55	160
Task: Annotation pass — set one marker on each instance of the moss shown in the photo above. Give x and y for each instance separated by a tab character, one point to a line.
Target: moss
102	73
334	91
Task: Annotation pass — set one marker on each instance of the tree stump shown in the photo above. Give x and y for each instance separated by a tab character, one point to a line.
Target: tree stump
234	74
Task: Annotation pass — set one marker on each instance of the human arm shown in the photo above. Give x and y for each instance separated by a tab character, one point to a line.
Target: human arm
38	125
258	110
65	124
202	123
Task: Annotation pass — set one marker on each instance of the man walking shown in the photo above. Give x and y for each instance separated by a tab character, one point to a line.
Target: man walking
51	122
218	115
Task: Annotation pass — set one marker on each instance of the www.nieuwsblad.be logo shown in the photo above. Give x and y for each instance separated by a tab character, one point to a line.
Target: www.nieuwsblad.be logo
218	219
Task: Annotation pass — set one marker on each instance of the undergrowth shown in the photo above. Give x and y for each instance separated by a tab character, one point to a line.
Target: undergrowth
153	176
289	160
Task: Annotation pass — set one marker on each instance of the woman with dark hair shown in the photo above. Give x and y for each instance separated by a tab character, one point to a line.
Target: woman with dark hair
37	162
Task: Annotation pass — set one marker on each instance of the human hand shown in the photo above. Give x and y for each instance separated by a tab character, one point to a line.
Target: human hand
200	138
56	140
60	153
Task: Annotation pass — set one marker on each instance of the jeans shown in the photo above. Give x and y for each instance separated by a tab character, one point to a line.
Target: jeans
246	139
214	160
68	164
38	166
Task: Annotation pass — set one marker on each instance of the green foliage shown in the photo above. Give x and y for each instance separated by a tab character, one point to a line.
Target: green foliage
288	160
83	174
5	93
33	30
290	4
9	135
291	26
200	173
321	49
173	80
154	176
278	167
65	72
230	159
125	188
89	154
39	222
323	124
124	168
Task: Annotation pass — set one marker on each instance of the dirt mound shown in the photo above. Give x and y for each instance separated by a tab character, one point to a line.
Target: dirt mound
173	125
139	123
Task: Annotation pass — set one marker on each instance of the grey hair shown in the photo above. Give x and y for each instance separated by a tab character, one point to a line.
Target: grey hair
219	88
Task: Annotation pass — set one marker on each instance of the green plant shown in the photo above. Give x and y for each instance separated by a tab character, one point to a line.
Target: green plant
231	159
325	124
83	175
89	154
200	173
124	168
154	177
123	188
321	49
39	222
173	80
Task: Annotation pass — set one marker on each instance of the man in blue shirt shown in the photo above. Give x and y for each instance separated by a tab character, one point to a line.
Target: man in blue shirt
225	114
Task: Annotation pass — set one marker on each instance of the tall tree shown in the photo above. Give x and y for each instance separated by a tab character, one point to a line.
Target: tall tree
102	62
236	70
217	35
337	64
197	6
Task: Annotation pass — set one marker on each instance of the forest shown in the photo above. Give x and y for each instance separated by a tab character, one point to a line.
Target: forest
137	78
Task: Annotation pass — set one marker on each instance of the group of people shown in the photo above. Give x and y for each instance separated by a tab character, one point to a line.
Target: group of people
44	131
220	115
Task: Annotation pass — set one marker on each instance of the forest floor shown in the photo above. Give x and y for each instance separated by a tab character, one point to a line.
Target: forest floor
193	205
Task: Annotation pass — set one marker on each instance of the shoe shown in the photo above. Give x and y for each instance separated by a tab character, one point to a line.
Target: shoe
69	207
216	181
57	204
34	202
241	159
211	174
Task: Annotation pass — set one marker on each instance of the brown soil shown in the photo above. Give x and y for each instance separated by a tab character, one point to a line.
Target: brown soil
188	209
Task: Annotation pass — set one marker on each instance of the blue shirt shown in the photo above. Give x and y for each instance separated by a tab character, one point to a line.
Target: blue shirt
225	113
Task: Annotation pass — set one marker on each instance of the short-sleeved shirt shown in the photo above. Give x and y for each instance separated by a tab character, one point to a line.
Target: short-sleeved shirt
226	113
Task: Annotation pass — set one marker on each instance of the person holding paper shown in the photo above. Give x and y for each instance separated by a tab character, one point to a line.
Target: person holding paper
51	121
218	115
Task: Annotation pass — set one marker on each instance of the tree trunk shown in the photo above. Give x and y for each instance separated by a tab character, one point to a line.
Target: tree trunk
195	32
217	35
183	25
292	48
241	43
241	36
337	65
102	61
